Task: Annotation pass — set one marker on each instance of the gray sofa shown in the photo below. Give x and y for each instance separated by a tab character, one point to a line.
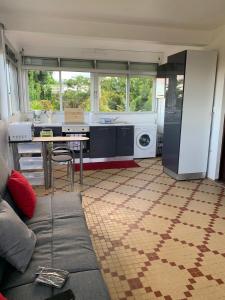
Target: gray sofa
62	242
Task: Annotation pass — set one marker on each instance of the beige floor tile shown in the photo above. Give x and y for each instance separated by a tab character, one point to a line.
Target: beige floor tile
182	254
152	241
155	224
148	195
126	189
212	189
165	211
207	208
219	225
136	182
207	290
180	192
167	280
195	219
157	187
207	197
174	201
188	234
145	177
107	185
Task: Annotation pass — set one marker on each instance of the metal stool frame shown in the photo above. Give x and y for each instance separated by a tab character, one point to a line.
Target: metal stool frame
63	155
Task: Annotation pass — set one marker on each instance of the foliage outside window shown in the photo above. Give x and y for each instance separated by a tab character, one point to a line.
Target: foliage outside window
112	93
44	90
76	90
51	90
141	93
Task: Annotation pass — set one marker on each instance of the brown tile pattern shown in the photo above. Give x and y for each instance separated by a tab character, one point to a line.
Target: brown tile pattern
156	238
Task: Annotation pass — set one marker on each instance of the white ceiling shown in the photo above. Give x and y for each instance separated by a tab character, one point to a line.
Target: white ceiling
189	14
71	28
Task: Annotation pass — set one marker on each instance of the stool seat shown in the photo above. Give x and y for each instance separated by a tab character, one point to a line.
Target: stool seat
62	158
62	155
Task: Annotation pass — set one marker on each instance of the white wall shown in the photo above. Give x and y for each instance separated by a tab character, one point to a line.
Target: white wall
217	43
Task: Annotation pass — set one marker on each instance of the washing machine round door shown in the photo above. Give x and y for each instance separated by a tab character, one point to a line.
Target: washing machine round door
144	140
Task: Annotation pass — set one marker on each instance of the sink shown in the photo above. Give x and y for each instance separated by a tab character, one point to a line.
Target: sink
114	123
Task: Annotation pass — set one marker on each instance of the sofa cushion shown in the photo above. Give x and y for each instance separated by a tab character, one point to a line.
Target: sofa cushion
66	205
72	245
60	205
3	266
4	173
29	292
8	198
22	193
61	243
88	285
43	210
42	256
17	241
3	263
2	297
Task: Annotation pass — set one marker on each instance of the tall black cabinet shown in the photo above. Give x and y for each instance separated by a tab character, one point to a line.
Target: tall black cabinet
189	78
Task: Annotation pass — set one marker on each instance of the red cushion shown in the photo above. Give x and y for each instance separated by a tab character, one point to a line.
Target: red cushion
2	297
22	193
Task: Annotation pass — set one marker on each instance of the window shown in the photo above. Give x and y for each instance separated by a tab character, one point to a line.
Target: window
76	90
141	93
112	93
102	86
44	90
13	89
118	92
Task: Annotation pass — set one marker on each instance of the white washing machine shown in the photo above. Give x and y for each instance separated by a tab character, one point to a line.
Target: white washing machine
145	140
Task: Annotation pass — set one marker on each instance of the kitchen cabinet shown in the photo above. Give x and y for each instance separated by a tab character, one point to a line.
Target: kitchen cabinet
102	141
111	141
189	77
57	130
124	140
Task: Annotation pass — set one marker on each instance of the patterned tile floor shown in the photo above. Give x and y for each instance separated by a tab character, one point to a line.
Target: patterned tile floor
156	238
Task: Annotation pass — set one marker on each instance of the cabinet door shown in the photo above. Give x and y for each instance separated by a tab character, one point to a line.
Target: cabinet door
124	140
173	111
102	141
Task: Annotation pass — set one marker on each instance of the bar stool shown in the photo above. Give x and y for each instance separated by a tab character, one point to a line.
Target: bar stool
63	155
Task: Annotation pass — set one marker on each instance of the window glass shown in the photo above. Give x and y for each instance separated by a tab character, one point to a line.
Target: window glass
141	93
112	93
44	90
76	90
13	89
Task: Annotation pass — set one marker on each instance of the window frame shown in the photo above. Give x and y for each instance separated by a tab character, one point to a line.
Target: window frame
111	74
94	87
127	103
27	96
153	93
61	85
9	78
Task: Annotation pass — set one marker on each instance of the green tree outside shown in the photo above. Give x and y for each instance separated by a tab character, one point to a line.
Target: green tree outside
44	92
141	93
112	94
77	93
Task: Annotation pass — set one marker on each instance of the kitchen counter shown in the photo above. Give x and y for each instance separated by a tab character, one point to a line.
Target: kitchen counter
81	124
47	124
